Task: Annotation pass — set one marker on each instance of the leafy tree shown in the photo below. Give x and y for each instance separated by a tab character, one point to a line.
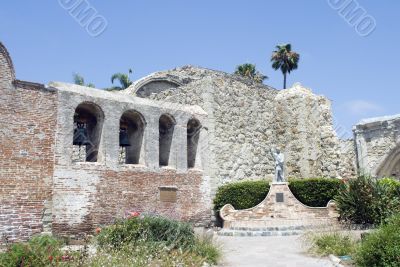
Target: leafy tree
249	71
79	80
285	59
123	79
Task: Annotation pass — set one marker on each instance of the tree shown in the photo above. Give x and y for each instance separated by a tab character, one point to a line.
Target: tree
285	59
79	80
249	71
123	79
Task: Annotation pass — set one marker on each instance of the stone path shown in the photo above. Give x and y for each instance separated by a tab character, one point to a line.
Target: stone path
274	251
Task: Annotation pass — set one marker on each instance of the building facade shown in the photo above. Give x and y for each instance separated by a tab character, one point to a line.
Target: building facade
73	158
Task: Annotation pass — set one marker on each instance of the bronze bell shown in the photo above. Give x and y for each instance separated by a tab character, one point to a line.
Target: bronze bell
124	138
80	135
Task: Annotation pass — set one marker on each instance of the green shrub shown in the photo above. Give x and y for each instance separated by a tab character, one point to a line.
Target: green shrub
41	250
365	201
314	192
152	240
393	185
154	254
241	195
147	229
335	243
382	247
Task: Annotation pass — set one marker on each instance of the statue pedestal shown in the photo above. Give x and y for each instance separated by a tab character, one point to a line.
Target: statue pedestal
280	208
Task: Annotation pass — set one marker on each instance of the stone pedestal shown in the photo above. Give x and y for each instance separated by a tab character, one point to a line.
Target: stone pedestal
280	209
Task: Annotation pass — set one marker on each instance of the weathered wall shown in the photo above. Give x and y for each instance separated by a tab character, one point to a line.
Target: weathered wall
88	194
43	189
304	130
247	119
27	131
239	116
378	146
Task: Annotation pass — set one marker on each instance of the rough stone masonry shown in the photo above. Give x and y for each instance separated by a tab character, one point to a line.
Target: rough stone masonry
73	158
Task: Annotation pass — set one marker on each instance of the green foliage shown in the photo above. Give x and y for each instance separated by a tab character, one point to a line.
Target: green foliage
79	80
41	250
381	247
241	195
249	71
314	192
148	229
393	185
154	254
335	243
364	200
123	79
142	241
285	59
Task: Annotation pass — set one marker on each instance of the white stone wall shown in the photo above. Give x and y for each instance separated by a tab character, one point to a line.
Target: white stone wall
378	146
305	132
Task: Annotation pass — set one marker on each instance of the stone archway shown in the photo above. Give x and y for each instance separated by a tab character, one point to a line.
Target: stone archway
390	165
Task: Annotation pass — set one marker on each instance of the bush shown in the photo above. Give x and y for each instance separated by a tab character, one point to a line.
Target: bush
154	254
366	201
148	240
334	243
382	247
393	185
41	250
147	229
314	192
241	195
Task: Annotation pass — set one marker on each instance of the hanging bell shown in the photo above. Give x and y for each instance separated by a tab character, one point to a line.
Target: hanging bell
80	135
123	138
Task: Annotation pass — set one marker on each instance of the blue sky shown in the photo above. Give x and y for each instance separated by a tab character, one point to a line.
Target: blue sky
358	74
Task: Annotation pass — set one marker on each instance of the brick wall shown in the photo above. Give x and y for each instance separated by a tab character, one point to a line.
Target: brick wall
27	130
86	197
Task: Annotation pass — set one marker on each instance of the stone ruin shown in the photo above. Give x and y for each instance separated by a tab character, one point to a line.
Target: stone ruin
189	131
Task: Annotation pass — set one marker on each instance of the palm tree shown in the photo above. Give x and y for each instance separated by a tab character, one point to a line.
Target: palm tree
249	71
123	79
79	80
285	59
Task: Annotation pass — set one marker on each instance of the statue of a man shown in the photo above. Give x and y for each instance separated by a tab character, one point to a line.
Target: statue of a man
279	161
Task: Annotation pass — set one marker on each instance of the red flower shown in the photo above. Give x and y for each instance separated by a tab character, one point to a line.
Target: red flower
50	258
98	230
133	214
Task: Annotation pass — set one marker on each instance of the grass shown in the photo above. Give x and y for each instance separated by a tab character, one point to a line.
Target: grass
153	254
137	241
336	243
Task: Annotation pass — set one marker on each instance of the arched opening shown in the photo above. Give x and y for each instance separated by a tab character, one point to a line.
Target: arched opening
390	166
131	132
193	134
88	124
155	85
166	130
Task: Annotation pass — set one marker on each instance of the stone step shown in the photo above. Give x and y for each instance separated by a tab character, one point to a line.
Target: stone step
264	231
228	232
271	228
